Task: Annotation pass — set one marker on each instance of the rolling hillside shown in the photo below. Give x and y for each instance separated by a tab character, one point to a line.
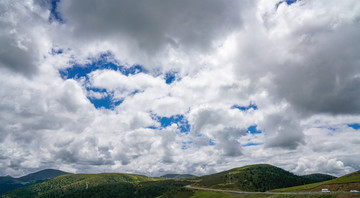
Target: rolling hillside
68	184
344	183
9	183
101	185
260	177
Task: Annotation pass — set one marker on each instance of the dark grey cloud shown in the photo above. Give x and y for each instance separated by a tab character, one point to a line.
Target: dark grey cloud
328	76
313	64
283	131
16	58
83	152
66	156
310	65
205	118
19	27
152	25
227	141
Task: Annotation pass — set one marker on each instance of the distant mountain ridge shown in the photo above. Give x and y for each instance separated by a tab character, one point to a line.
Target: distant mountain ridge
43	175
8	183
178	176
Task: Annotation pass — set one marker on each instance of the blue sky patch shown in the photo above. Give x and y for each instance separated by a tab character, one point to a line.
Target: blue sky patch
211	142
186	145
103	102
54	13
133	70
181	122
170	77
81	71
78	71
106	102
252	130
56	51
288	2
355	126
245	108
152	127
331	128
252	144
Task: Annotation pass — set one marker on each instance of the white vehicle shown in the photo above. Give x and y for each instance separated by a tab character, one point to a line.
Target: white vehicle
354	191
325	190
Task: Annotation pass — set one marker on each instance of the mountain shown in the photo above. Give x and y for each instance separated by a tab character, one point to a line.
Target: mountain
259	177
344	183
178	176
42	175
8	183
66	185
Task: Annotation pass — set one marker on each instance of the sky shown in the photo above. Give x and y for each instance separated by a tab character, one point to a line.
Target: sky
198	87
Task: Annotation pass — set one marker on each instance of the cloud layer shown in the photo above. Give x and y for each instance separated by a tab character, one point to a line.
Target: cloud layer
160	87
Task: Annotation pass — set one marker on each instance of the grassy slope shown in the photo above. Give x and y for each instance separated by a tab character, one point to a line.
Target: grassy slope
209	194
162	188
67	184
339	184
260	177
206	194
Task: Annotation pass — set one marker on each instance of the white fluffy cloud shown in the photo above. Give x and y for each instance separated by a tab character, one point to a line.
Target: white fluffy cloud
297	63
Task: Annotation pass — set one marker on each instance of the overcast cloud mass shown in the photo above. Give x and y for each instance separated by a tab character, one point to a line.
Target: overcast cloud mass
156	87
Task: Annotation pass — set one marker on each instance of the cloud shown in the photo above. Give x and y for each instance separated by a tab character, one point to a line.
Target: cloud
153	25
299	56
283	131
157	34
205	64
22	45
322	164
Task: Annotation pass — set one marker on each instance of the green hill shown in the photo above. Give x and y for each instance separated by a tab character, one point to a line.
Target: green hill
178	176
344	183
101	185
68	184
9	183
260	177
